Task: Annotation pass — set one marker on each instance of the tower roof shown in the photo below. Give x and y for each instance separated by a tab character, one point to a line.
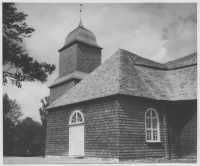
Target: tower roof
128	74
82	35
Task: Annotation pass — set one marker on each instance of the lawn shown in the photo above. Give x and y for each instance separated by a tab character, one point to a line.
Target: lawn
67	160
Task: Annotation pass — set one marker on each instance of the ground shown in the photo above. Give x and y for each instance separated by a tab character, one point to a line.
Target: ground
66	160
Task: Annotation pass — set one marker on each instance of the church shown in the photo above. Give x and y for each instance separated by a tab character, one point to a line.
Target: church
129	107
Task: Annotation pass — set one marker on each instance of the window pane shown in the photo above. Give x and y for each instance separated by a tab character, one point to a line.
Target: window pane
79	117
73	118
148	114
154	123
148	123
153	114
148	134
154	134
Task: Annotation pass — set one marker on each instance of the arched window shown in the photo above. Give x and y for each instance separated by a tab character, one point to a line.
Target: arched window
152	126
76	118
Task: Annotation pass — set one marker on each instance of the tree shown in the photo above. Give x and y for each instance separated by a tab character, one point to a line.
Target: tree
11	114
11	109
29	136
43	112
17	65
43	117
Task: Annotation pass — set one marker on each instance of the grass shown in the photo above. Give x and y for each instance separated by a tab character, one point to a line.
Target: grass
67	160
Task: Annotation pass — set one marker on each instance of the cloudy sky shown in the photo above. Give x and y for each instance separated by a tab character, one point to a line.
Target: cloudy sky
160	32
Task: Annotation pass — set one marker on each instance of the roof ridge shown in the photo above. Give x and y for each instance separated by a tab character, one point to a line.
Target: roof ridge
138	61
77	33
120	73
182	62
194	53
123	82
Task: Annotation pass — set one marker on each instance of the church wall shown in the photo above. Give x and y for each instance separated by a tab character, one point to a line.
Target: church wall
79	57
115	128
56	133
182	120
57	91
189	138
101	129
178	129
174	129
88	58
67	60
132	139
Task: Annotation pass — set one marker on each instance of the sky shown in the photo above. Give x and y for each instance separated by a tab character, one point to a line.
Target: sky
158	31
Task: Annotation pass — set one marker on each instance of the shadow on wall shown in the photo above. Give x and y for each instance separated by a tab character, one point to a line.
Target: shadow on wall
182	123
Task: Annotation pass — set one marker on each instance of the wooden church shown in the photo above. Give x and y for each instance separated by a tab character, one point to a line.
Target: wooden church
128	107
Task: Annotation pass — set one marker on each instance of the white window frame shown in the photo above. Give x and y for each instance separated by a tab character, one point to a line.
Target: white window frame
76	112
152	129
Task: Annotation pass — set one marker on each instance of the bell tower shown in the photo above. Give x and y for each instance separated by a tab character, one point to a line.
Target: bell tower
79	56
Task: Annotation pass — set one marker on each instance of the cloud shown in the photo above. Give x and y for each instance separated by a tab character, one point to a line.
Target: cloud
164	35
181	38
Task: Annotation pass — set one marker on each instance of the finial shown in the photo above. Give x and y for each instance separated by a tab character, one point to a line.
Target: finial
80	24
80	9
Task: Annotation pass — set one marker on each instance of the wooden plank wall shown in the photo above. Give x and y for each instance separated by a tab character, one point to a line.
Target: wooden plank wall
59	90
115	128
189	138
88	58
57	133
132	129
182	128
100	130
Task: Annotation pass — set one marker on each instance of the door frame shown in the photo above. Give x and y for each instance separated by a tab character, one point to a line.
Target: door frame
76	124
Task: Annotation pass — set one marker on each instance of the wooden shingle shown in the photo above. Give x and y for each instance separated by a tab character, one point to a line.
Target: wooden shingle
128	74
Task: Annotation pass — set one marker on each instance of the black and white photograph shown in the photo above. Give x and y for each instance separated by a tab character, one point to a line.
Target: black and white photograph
97	82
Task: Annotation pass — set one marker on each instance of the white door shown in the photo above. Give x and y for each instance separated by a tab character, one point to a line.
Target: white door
76	140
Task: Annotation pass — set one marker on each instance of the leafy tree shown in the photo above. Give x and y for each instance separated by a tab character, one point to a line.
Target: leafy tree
21	137
11	109
43	116
43	112
11	115
29	136
17	65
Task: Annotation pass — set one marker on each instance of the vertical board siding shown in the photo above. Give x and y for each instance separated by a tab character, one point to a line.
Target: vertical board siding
132	130
166	133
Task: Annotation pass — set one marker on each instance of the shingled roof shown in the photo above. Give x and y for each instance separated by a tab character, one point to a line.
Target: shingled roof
182	62
81	34
76	74
128	74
